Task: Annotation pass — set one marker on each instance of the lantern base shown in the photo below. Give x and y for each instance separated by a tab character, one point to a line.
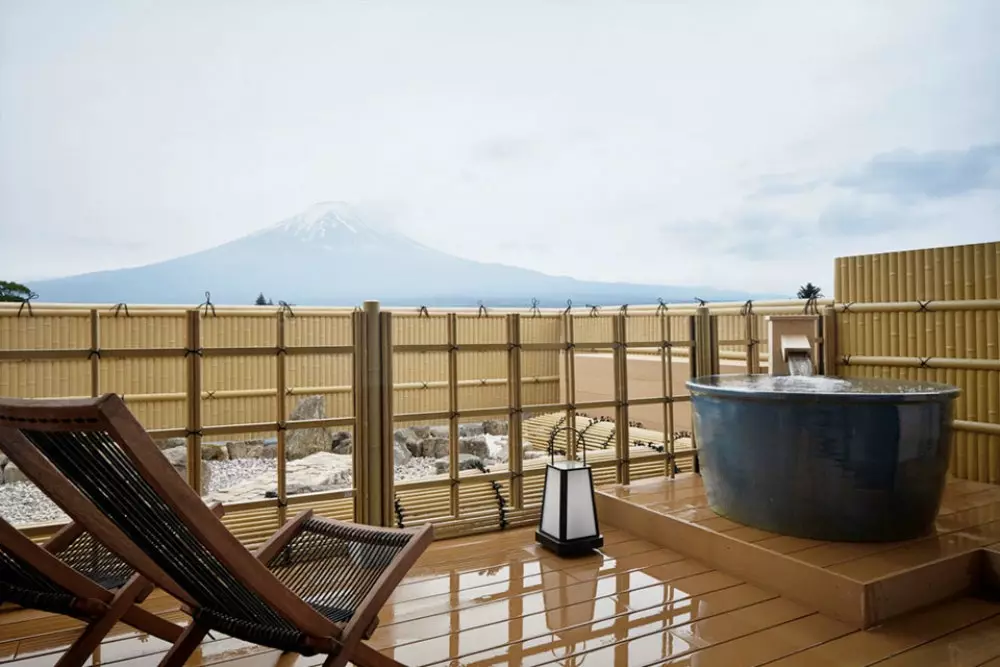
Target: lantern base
578	547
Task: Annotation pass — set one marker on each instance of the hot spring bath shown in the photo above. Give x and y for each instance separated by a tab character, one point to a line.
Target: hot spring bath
826	458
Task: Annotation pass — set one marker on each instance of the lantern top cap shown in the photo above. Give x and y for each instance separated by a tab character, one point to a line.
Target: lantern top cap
569	465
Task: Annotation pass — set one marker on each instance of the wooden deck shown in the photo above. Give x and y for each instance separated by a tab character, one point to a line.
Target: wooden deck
859	583
498	599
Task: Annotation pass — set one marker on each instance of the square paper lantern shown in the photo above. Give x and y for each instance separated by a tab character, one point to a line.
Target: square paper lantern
569	512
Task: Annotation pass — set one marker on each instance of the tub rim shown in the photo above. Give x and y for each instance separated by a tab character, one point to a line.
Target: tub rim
938	391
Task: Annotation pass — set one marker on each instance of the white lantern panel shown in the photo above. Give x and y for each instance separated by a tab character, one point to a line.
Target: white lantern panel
580	519
550	506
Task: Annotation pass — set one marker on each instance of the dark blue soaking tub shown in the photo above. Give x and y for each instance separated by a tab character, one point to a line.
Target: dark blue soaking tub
860	460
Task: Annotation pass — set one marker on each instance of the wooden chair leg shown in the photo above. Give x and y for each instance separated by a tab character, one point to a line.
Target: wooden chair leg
188	643
151	624
97	630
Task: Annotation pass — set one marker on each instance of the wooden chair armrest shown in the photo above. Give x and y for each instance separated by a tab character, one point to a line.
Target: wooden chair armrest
282	537
63	538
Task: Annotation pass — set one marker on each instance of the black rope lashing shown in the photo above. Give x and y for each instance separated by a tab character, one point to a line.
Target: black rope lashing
210	394
922	306
207	303
397	506
278	351
482	310
594	310
701	302
747	308
197	351
281	426
187	434
624	309
924	361
846	360
569	306
422	312
480	466
26	301
661	306
501	504
94	352
119	307
535	311
812	306
847	306
285	307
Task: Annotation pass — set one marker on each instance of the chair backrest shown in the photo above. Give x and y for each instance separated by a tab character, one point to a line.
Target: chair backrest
95	460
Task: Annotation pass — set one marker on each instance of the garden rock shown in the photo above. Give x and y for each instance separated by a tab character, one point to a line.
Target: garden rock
300	443
400	454
494	427
178	459
465	462
342	443
475	445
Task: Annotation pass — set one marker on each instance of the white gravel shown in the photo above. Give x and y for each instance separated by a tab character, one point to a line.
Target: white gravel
22	503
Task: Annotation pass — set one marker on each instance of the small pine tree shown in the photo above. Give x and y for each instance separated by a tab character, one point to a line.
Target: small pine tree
261	301
11	291
809	291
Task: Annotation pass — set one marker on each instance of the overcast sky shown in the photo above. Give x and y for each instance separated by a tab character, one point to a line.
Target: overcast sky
736	144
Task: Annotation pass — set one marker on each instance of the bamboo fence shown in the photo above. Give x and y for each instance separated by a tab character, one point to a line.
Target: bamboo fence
238	373
931	314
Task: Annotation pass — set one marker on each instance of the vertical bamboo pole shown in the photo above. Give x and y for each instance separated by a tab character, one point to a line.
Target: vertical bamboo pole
95	353
515	453
620	358
194	400
829	324
570	385
387	420
360	449
701	361
281	414
373	415
667	386
453	470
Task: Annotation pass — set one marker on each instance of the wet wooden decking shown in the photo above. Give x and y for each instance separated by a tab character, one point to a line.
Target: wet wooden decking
862	584
498	599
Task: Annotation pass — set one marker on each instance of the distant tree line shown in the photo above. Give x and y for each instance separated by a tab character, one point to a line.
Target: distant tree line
261	301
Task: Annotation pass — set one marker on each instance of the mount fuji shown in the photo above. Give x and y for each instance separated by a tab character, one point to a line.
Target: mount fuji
329	255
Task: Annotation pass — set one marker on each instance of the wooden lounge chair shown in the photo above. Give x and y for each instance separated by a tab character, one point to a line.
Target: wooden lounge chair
315	587
75	575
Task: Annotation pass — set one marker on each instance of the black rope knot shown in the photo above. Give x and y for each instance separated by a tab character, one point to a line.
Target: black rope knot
701	302
195	351
535	312
594	310
423	385
189	433
513	346
94	353
119	307
667	344
847	306
26	301
846	360
661	307
210	394
501	504
922	306
482	310
924	361
569	306
452	347
422	312
281	349
624	309
747	308
483	381
285	307
207	303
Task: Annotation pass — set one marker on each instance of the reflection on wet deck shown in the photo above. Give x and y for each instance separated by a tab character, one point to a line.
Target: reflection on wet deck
498	599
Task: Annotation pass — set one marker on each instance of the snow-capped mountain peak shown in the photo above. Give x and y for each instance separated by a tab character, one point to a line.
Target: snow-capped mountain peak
326	220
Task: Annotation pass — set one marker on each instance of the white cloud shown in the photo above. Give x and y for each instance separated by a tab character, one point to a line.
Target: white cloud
608	140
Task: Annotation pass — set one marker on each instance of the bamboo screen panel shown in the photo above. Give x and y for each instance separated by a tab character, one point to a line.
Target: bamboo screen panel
519	368
207	379
934	315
